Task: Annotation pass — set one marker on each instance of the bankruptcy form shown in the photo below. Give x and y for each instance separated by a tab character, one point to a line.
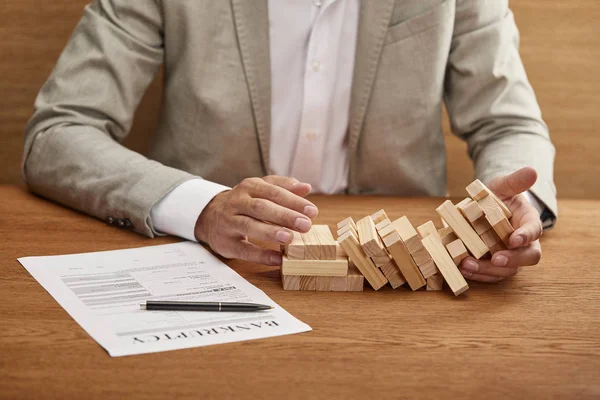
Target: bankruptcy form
102	291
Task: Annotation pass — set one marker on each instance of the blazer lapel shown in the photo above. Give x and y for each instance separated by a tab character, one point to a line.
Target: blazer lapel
372	27
252	29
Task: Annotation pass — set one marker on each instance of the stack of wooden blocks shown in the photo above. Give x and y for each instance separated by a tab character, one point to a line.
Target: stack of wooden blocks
382	251
315	261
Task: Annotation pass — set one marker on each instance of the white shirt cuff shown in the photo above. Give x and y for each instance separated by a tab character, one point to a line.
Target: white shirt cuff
177	212
534	201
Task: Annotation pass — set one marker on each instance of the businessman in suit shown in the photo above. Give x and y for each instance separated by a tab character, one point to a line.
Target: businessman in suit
266	100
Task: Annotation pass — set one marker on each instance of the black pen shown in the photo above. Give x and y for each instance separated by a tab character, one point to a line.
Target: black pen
202	306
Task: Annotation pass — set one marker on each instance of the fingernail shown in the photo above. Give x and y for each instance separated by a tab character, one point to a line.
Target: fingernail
302	224
283	236
311	211
518	241
275	259
466	273
471	265
500	260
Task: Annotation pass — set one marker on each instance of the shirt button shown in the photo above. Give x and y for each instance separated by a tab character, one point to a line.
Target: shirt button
128	224
121	223
110	220
316	66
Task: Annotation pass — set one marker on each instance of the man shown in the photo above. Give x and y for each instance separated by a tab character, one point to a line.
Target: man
343	95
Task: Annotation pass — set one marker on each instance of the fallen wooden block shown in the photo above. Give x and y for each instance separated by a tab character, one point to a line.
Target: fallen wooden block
368	237
404	261
501	225
347	221
337	267
447	235
435	282
339	251
462	229
379	216
382	224
364	264
428	228
428	269
445	264
346	228
490	237
408	234
477	190
457	251
481	225
470	209
392	273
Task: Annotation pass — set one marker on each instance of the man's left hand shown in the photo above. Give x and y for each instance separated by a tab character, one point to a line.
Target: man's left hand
524	248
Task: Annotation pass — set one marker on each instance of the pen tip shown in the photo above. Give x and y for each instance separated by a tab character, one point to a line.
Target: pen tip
142	306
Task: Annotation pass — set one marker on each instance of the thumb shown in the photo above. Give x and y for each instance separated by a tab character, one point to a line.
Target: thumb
511	185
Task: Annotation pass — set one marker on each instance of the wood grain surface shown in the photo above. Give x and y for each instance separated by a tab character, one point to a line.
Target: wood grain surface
560	46
534	336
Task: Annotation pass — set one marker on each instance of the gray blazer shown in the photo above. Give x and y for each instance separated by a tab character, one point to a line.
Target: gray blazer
412	56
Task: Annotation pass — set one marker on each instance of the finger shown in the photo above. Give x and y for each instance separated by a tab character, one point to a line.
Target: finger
250	252
265	210
278	195
292	184
529	231
524	256
259	230
481	278
485	267
511	185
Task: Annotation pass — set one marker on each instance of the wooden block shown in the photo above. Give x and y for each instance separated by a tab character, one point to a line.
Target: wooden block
481	225
457	251
498	247
339	283
393	275
379	216
356	281
345	229
447	235
364	264
428	269
386	230
470	210
290	282
324	283
382	224
295	249
326	241
501	226
477	190
337	267
409	235
308	283
462	229
404	261
312	247
435	282
445	264
421	256
339	251
490	237
428	228
368	237
347	221
381	260
489	205
444	223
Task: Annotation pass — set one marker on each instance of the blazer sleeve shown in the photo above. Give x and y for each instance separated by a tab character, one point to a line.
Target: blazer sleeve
85	109
490	101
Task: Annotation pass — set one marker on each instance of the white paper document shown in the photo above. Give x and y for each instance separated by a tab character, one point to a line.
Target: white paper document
102	292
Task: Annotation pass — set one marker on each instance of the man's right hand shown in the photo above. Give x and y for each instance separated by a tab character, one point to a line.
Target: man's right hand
264	209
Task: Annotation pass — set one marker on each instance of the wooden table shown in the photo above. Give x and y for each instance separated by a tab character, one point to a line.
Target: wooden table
535	336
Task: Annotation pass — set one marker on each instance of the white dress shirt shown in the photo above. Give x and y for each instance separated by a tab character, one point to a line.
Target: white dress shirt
312	46
312	49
